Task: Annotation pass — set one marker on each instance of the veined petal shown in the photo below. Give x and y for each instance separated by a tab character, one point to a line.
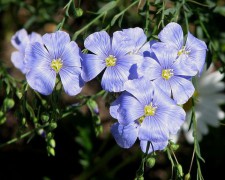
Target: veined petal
92	65
195	44
140	88
41	79
131	40
71	55
154	146
182	89
153	129
55	43
172	34
99	43
125	136
114	106
20	40
115	76
164	85
71	80
130	109
35	37
183	67
17	59
36	55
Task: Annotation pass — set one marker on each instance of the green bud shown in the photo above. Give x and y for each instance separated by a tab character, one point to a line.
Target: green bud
79	12
35	120
180	170
23	122
19	94
51	150
9	103
139	178
187	176
49	135
44	117
150	162
2	117
52	143
53	125
174	147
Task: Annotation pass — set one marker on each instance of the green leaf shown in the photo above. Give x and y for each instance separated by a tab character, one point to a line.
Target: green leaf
107	7
115	19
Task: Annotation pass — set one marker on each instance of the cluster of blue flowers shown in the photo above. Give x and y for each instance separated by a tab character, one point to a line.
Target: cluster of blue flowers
153	78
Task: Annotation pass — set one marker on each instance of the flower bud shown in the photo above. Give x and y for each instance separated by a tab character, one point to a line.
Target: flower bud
9	103
79	12
53	125
51	150
52	143
180	170
44	117
187	176
150	162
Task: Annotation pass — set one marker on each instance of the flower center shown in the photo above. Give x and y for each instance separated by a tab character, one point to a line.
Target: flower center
110	60
167	73
183	51
56	64
149	110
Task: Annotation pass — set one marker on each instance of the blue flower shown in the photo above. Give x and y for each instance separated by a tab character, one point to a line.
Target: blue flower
57	55
111	56
192	53
20	40
172	76
147	113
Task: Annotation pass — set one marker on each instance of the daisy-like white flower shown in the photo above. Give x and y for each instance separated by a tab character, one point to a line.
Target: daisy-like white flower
57	55
170	75
20	40
111	56
192	53
208	97
147	113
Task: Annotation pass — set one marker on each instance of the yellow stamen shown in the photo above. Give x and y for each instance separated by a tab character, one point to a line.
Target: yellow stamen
183	51
56	64
167	73
149	110
110	60
141	119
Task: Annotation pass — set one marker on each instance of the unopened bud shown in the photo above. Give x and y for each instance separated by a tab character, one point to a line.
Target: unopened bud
180	170
174	147
52	143
150	162
19	94
53	125
187	176
44	117
9	103
79	12
51	151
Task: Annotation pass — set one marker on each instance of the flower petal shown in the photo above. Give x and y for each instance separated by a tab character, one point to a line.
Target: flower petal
92	65
154	146
125	136
71	80
17	59
153	129
71	55
172	35
99	43
130	109
182	89
41	79
55	43
35	37
20	40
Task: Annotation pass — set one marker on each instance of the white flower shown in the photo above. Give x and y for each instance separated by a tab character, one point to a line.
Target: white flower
208	96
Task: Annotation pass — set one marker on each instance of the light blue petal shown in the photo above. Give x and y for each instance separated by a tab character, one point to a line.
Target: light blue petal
172	35
41	79
35	37
164	85
154	129
128	40
130	109
99	43
55	43
17	59
114	106
92	65
71	80
71	55
173	116
154	146
183	67
20	39
36	55
125	136
197	50
151	69
182	89
140	88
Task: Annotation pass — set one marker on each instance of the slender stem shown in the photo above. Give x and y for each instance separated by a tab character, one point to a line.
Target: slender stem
77	33
200	4
192	159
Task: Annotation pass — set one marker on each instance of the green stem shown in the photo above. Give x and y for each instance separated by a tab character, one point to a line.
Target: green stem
200	4
77	33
